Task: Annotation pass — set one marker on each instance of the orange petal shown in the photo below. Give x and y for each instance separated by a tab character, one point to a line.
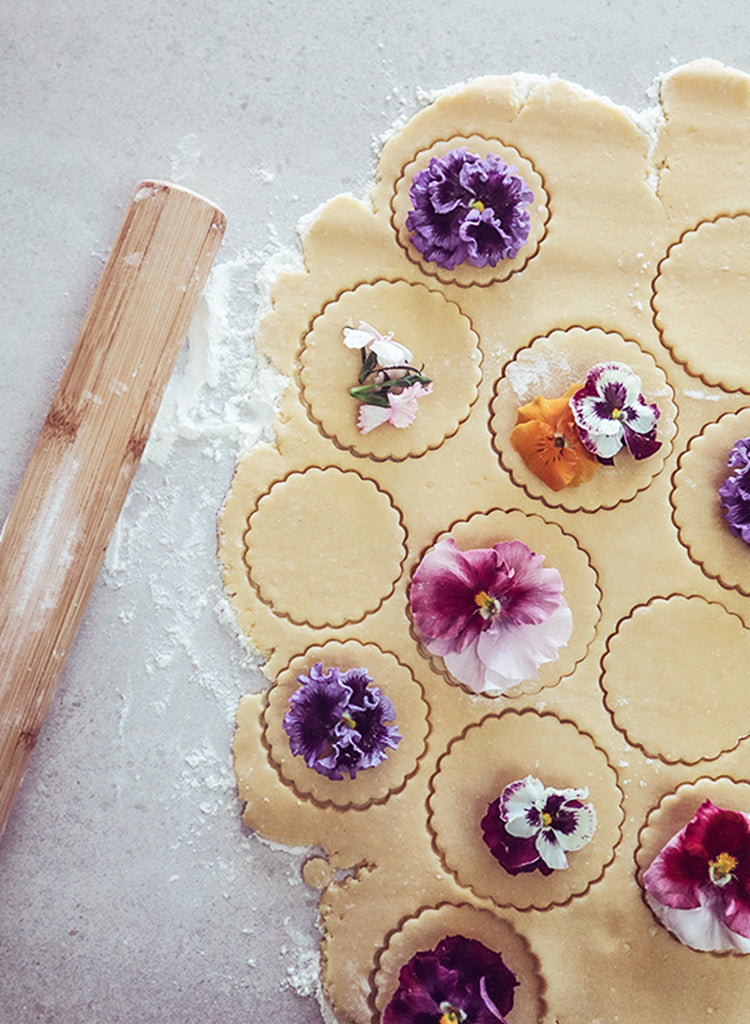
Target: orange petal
555	465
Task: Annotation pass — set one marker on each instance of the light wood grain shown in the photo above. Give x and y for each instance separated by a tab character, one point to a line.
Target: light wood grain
56	533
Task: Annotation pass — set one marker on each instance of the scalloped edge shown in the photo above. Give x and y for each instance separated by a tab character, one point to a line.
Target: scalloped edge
450	277
526	688
656	312
605	693
440	854
333	804
351	449
548	497
702	565
305	622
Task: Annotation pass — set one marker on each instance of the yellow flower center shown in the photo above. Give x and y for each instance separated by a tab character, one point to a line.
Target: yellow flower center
451	1014
347	719
546	819
477	204
488	605
720	870
616	414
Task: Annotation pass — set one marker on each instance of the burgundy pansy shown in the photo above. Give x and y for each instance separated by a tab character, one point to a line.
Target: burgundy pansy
699	884
458	982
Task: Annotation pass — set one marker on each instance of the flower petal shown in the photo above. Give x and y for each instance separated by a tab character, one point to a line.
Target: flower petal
390	352
550	849
371	416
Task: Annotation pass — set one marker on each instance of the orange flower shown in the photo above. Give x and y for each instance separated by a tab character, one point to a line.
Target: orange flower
546	438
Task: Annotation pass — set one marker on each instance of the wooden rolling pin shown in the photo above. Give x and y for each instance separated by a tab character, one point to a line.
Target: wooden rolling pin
55	536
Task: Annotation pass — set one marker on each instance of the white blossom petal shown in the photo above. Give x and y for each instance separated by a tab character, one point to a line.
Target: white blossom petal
360	337
390	352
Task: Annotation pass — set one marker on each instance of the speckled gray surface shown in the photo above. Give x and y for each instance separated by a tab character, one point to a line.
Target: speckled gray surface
130	890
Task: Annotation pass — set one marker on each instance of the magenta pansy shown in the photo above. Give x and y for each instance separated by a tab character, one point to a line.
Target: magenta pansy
494	615
699	884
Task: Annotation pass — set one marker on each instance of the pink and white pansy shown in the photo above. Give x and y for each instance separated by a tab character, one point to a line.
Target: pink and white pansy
698	886
494	615
557	821
611	413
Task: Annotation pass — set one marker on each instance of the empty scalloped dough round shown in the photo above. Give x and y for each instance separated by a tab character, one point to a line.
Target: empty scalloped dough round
435	331
702	301
681	708
548	367
509	748
466	274
324	547
697	506
375	784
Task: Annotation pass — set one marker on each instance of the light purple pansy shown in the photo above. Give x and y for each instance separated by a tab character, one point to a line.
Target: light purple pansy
557	821
339	723
735	491
494	615
699	884
610	413
468	209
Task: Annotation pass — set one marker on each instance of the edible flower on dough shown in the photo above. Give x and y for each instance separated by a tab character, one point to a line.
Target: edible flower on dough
400	411
339	723
699	884
610	412
388	387
494	615
546	438
531	827
468	209
735	491
387	351
460	981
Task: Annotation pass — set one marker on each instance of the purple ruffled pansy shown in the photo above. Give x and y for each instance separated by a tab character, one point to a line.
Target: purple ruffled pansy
735	491
468	209
339	723
610	413
699	884
461	980
532	827
494	615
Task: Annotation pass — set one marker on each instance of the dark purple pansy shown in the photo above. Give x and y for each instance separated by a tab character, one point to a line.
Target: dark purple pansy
699	884
458	981
735	491
339	723
468	209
